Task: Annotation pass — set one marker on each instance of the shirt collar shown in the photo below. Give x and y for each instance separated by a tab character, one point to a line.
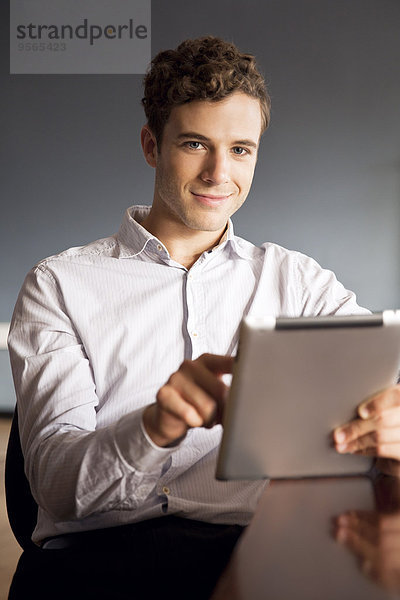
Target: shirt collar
133	239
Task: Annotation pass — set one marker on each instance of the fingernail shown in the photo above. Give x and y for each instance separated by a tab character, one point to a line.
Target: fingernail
343	520
341	448
341	535
364	412
340	436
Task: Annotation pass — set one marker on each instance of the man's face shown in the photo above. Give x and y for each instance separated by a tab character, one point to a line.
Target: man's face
206	163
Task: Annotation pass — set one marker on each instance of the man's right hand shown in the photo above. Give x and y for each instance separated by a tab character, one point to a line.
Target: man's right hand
193	396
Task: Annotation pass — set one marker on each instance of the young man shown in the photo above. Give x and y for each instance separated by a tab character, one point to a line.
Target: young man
118	347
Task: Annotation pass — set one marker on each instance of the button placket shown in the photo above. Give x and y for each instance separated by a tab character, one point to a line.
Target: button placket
190	305
200	330
195	305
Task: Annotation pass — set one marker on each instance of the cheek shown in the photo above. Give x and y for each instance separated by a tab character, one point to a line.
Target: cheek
187	169
245	178
179	171
167	176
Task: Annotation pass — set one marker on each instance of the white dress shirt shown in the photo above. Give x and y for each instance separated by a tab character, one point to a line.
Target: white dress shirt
98	329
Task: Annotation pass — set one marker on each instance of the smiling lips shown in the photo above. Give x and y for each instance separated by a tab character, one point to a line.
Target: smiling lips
211	200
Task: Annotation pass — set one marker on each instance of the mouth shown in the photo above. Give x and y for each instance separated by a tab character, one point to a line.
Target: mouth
212	199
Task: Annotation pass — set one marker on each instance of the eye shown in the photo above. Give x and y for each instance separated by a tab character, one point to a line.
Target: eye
239	151
193	145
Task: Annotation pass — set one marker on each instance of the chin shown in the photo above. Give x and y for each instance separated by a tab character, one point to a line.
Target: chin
209	225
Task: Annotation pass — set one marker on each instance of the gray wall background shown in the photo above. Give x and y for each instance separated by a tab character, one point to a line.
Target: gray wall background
328	177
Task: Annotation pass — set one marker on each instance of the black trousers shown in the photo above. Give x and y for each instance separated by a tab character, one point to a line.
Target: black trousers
169	557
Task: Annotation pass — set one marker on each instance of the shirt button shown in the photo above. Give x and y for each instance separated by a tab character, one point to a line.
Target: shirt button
166	490
194	334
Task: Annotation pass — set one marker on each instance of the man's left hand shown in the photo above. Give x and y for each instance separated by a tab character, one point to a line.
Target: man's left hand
376	432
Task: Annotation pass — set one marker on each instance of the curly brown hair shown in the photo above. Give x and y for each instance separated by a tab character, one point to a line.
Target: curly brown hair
207	68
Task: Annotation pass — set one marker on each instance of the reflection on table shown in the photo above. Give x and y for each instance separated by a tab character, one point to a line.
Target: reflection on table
319	539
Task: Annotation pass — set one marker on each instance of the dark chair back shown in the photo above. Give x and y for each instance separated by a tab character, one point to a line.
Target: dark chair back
21	506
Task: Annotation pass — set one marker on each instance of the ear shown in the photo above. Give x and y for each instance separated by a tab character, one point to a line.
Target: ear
149	145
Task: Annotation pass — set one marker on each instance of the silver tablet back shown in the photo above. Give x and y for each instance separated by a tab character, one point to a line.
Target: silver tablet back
294	381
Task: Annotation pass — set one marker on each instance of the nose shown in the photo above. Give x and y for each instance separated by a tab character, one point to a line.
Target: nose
216	168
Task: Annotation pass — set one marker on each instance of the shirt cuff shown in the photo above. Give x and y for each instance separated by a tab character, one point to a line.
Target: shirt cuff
135	446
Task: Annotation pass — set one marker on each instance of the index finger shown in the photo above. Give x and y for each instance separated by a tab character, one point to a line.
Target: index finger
216	363
389	398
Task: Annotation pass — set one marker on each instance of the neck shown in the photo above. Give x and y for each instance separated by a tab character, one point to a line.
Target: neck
183	244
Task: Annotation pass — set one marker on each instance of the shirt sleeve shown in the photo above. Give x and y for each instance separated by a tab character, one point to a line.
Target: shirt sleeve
320	293
74	468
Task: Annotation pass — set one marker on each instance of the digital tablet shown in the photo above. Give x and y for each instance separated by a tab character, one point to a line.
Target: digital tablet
294	381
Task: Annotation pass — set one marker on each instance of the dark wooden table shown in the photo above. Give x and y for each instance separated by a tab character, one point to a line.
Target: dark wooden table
322	539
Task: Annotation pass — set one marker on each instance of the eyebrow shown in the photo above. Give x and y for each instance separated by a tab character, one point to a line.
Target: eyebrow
203	138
